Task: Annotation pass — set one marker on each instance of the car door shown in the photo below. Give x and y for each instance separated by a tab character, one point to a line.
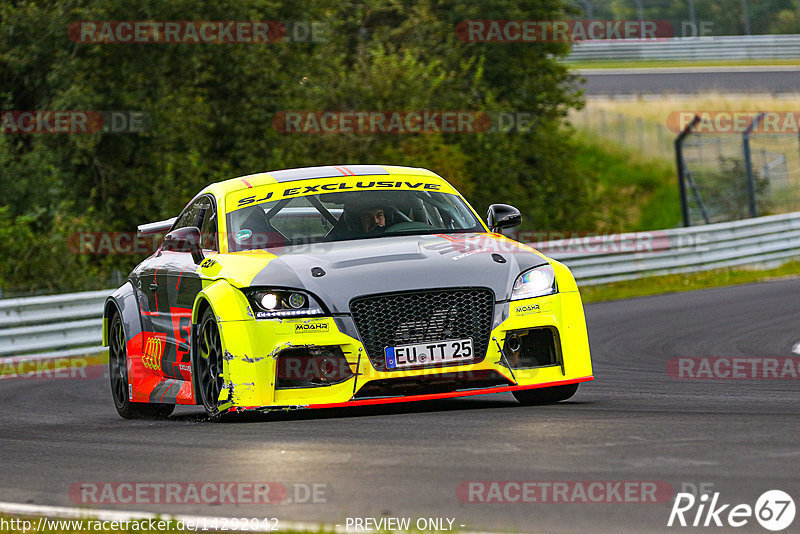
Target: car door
183	283
152	303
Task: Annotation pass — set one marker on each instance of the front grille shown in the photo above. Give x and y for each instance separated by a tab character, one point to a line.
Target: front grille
389	320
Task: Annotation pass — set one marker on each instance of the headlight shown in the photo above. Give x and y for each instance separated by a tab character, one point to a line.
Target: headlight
535	283
275	303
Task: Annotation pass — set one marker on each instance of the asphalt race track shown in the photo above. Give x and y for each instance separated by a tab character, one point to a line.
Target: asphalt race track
633	423
689	80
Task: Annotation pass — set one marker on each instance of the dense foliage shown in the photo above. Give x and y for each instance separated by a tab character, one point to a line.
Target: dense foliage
211	107
210	110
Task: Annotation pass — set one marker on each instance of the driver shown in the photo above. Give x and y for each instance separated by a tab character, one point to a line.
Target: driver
373	220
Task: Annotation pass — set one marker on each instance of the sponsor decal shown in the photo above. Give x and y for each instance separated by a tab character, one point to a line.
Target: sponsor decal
152	352
311	327
208	263
527	309
338	187
243	235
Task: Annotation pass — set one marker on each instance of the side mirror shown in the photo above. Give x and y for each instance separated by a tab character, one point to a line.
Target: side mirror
185	240
502	216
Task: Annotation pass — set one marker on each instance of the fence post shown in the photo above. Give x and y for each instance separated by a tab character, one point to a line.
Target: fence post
748	162
640	124
680	164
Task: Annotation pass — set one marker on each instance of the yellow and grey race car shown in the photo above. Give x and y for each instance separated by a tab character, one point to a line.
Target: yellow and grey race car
340	286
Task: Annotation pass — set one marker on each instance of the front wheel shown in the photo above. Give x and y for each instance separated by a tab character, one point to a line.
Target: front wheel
551	395
120	386
208	365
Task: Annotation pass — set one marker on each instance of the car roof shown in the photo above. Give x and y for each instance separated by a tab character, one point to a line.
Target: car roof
219	189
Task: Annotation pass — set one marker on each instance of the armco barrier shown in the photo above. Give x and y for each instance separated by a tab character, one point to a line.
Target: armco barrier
690	48
58	325
761	241
62	325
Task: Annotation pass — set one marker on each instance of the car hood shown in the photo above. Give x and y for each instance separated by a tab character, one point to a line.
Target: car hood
399	263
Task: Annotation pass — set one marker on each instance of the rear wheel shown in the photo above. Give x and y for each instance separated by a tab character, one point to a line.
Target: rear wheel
551	395
208	365
120	388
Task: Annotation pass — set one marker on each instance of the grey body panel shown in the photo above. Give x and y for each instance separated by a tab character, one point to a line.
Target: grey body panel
328	171
125	301
397	263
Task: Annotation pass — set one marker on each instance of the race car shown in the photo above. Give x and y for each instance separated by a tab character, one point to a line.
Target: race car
337	286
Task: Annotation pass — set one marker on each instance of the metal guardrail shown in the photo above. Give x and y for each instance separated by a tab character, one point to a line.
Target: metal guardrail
45	327
690	48
64	325
763	241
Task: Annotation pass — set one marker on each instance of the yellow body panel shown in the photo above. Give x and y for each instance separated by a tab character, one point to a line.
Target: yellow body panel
252	347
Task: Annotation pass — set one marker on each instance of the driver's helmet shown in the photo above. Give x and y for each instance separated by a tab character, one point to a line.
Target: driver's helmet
361	213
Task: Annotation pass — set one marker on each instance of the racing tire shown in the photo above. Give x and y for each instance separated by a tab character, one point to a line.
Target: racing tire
551	395
208	365
118	373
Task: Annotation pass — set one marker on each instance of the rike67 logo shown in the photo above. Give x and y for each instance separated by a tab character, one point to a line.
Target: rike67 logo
774	510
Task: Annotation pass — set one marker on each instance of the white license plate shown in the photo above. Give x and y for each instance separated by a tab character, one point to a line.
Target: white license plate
454	350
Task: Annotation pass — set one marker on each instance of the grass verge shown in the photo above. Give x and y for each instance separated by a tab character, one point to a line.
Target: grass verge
632	192
674	283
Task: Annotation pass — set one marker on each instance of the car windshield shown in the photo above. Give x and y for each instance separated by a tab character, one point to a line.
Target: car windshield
347	215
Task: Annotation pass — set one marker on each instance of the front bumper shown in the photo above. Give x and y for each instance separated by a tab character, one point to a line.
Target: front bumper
253	349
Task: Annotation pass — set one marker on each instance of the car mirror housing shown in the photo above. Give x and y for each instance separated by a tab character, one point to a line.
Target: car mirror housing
502	216
185	240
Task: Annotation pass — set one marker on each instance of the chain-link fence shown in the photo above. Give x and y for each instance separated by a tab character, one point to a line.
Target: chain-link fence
650	138
776	159
726	176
